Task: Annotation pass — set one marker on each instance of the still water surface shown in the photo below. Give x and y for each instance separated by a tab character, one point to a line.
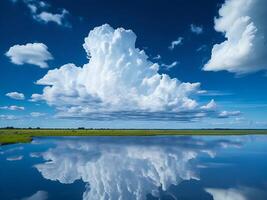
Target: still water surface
162	167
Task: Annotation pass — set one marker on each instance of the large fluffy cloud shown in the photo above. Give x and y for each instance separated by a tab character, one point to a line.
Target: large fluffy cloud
119	78
244	26
30	53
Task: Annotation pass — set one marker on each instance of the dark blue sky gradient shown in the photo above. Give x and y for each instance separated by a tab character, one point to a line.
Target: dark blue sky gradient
156	23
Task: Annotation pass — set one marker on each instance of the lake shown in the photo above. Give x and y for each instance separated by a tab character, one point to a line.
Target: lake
158	167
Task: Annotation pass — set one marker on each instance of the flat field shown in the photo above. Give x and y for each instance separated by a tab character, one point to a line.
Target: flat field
10	136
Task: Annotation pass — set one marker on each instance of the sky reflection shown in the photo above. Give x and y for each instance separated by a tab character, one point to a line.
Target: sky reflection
152	168
128	168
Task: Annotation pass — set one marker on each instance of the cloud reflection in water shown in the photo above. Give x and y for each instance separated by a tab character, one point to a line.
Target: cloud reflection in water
127	168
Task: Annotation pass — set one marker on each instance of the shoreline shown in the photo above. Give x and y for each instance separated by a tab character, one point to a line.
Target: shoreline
13	136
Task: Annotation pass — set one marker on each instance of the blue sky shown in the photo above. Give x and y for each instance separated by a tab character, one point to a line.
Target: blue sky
207	73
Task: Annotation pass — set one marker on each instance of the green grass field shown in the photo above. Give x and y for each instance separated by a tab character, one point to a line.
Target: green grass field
10	136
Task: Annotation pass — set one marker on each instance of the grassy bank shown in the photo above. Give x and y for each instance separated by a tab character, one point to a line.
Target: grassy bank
9	136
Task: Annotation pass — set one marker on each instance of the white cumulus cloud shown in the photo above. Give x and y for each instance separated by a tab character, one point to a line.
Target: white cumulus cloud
244	26
15	95
30	53
119	80
119	77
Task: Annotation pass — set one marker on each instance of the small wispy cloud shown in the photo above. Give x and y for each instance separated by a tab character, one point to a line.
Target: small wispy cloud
37	114
168	67
196	29
39	195
13	107
46	17
175	43
261	123
35	155
14	158
214	93
8	117
157	57
15	95
201	48
40	13
226	114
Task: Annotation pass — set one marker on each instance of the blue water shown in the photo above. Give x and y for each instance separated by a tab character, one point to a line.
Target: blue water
165	167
